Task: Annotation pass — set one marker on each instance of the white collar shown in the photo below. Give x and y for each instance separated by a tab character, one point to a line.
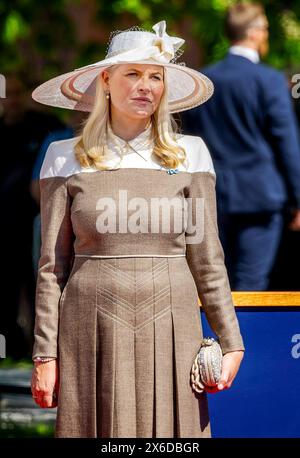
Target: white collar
249	53
142	144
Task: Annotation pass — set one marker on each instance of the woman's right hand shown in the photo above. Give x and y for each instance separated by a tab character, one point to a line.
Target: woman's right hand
44	383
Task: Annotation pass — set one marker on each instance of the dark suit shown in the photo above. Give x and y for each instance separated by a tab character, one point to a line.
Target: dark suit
250	129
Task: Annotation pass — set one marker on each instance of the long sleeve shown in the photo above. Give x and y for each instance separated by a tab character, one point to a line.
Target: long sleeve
56	256
205	258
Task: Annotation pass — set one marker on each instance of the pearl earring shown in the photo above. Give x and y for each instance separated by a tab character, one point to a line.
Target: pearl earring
107	95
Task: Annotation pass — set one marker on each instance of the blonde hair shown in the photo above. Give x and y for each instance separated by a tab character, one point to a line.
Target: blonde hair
91	149
239	17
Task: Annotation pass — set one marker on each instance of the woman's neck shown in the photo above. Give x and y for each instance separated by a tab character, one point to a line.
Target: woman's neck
126	129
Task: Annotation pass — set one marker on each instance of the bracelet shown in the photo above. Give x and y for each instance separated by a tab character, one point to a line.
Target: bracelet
44	359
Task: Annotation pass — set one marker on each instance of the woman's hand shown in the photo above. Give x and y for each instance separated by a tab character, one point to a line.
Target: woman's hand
230	365
294	224
44	383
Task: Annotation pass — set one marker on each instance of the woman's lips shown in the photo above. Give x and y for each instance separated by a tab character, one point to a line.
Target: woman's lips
142	100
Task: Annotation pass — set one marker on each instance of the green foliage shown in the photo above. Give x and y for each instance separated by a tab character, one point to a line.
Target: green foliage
14	27
11	429
10	363
206	18
30	28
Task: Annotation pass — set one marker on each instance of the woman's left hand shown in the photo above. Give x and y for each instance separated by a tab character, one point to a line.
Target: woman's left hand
230	365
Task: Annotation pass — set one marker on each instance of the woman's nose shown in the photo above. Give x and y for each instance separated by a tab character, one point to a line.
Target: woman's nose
145	84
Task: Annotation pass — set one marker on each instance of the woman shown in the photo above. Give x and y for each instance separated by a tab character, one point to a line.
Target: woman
117	318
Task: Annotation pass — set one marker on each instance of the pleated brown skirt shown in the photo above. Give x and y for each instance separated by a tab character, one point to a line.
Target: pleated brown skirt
129	331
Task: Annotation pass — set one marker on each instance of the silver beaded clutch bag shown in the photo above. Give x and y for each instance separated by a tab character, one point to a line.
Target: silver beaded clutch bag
207	366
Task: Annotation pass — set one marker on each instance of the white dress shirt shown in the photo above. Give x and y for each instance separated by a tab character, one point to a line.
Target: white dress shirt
127	153
244	51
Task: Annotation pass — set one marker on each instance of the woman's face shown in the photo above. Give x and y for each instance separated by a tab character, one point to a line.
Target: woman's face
128	84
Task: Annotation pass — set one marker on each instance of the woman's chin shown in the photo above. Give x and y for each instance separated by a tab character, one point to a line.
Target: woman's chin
140	114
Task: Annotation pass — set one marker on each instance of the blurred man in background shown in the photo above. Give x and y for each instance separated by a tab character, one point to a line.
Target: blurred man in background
250	128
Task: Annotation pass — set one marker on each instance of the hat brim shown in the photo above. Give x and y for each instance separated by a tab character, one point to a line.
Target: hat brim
187	88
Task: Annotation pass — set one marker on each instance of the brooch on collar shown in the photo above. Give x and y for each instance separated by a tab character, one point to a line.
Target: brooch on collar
172	171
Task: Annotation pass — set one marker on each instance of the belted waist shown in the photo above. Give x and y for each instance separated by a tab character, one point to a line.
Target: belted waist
130	255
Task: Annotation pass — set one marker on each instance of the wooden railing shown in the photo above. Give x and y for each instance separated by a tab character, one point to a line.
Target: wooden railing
265	298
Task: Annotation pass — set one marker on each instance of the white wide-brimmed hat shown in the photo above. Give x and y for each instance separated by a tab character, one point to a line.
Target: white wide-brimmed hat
187	88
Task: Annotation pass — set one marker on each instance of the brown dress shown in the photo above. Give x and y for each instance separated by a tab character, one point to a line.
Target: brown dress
119	309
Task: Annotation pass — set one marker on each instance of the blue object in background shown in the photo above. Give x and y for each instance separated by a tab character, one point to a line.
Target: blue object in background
61	134
264	399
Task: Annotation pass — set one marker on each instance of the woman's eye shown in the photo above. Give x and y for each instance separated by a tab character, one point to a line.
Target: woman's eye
134	73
